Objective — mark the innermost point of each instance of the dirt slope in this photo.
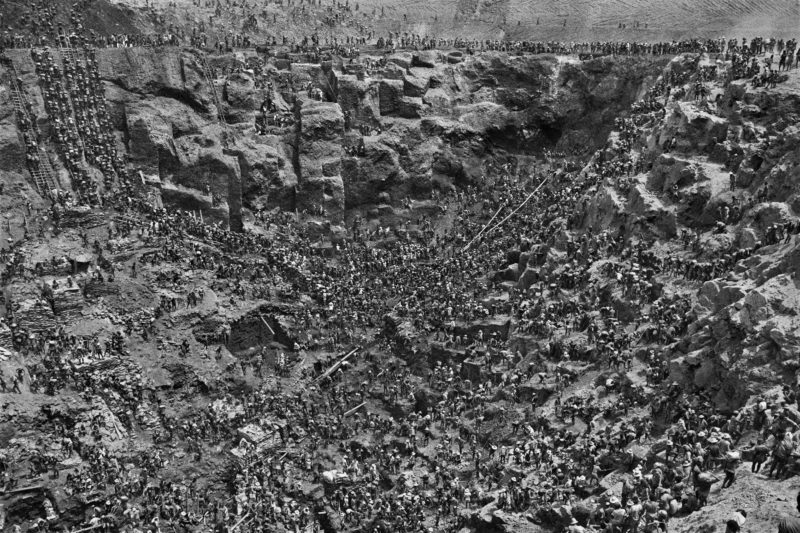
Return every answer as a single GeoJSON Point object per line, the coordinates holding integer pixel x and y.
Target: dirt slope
{"type": "Point", "coordinates": [580, 20]}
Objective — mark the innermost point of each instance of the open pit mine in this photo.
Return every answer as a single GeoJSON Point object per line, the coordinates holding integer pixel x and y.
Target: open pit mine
{"type": "Point", "coordinates": [468, 267]}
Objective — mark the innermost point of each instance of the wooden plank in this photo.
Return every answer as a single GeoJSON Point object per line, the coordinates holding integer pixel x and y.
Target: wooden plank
{"type": "Point", "coordinates": [266, 324]}
{"type": "Point", "coordinates": [354, 409]}
{"type": "Point", "coordinates": [23, 489]}
{"type": "Point", "coordinates": [336, 365]}
{"type": "Point", "coordinates": [237, 524]}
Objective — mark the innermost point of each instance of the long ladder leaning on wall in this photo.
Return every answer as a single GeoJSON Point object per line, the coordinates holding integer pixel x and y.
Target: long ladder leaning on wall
{"type": "Point", "coordinates": [42, 173]}
{"type": "Point", "coordinates": [225, 129]}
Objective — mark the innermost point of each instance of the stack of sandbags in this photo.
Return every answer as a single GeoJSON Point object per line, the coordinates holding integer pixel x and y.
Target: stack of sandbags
{"type": "Point", "coordinates": [68, 302]}
{"type": "Point", "coordinates": [96, 288]}
{"type": "Point", "coordinates": [35, 315]}
{"type": "Point", "coordinates": [81, 217]}
{"type": "Point", "coordinates": [6, 337]}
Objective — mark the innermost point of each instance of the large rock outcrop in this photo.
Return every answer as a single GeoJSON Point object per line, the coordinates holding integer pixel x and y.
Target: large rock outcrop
{"type": "Point", "coordinates": [320, 127]}
{"type": "Point", "coordinates": [693, 129]}
{"type": "Point", "coordinates": [377, 169]}
{"type": "Point", "coordinates": [268, 177]}
{"type": "Point", "coordinates": [172, 72]}
{"type": "Point", "coordinates": [152, 126]}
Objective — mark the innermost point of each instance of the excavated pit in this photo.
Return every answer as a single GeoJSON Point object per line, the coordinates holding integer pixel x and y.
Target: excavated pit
{"type": "Point", "coordinates": [405, 153]}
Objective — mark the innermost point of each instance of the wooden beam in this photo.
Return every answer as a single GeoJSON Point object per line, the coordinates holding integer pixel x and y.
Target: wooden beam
{"type": "Point", "coordinates": [237, 524]}
{"type": "Point", "coordinates": [266, 324]}
{"type": "Point", "coordinates": [354, 409]}
{"type": "Point", "coordinates": [88, 528]}
{"type": "Point", "coordinates": [336, 365]}
{"type": "Point", "coordinates": [23, 489]}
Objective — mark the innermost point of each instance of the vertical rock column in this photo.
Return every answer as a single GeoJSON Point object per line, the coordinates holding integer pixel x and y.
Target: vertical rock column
{"type": "Point", "coordinates": [320, 127]}
{"type": "Point", "coordinates": [235, 197]}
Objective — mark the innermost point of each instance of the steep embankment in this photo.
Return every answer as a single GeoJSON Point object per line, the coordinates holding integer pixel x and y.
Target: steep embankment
{"type": "Point", "coordinates": [417, 121]}
{"type": "Point", "coordinates": [701, 194]}
{"type": "Point", "coordinates": [742, 340]}
{"type": "Point", "coordinates": [578, 20]}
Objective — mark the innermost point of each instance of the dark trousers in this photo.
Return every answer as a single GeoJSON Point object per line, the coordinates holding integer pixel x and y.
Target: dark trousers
{"type": "Point", "coordinates": [730, 477]}
{"type": "Point", "coordinates": [778, 465]}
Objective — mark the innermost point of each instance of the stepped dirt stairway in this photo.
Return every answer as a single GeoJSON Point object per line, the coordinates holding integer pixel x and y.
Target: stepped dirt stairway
{"type": "Point", "coordinates": [42, 173]}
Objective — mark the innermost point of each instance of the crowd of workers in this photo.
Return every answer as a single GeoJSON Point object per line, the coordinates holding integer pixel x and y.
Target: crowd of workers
{"type": "Point", "coordinates": [419, 303]}
{"type": "Point", "coordinates": [41, 26]}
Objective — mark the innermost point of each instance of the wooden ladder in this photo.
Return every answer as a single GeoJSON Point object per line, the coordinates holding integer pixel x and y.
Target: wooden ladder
{"type": "Point", "coordinates": [43, 173]}
{"type": "Point", "coordinates": [70, 53]}
{"type": "Point", "coordinates": [46, 170]}
{"type": "Point", "coordinates": [217, 102]}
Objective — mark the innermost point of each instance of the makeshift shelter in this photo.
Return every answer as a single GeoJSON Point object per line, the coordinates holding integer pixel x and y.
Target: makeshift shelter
{"type": "Point", "coordinates": [81, 263]}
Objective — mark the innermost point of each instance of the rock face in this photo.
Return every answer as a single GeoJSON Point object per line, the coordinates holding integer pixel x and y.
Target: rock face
{"type": "Point", "coordinates": [376, 170]}
{"type": "Point", "coordinates": [240, 89]}
{"type": "Point", "coordinates": [360, 99]}
{"type": "Point", "coordinates": [425, 59]}
{"type": "Point", "coordinates": [389, 93]}
{"type": "Point", "coordinates": [604, 209]}
{"type": "Point", "coordinates": [320, 126]}
{"type": "Point", "coordinates": [650, 210]}
{"type": "Point", "coordinates": [152, 126]}
{"type": "Point", "coordinates": [435, 120]}
{"type": "Point", "coordinates": [170, 73]}
{"type": "Point", "coordinates": [322, 193]}
{"type": "Point", "coordinates": [669, 172]}
{"type": "Point", "coordinates": [696, 130]}
{"type": "Point", "coordinates": [446, 116]}
{"type": "Point", "coordinates": [240, 94]}
{"type": "Point", "coordinates": [582, 97]}
{"type": "Point", "coordinates": [268, 178]}
{"type": "Point", "coordinates": [394, 102]}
